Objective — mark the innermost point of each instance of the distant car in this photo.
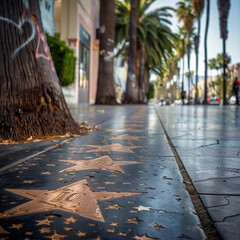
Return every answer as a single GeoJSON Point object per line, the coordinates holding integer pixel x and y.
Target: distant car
{"type": "Point", "coordinates": [214, 100]}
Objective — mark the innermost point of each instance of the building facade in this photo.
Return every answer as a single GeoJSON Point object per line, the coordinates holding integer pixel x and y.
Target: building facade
{"type": "Point", "coordinates": [76, 22]}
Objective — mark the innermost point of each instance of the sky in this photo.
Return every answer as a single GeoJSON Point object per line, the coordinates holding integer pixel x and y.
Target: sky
{"type": "Point", "coordinates": [214, 41]}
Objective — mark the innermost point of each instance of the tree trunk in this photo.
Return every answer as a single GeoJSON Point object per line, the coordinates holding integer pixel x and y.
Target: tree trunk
{"type": "Point", "coordinates": [182, 93]}
{"type": "Point", "coordinates": [189, 56]}
{"type": "Point", "coordinates": [141, 83]}
{"type": "Point", "coordinates": [105, 88]}
{"type": "Point", "coordinates": [197, 50]}
{"type": "Point", "coordinates": [131, 95]}
{"type": "Point", "coordinates": [206, 57]}
{"type": "Point", "coordinates": [31, 99]}
{"type": "Point", "coordinates": [223, 8]}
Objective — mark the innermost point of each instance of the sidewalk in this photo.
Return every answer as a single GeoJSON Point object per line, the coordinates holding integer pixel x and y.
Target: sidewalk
{"type": "Point", "coordinates": [207, 140]}
{"type": "Point", "coordinates": [122, 181]}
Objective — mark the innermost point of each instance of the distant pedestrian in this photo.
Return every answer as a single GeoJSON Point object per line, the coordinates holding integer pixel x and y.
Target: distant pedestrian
{"type": "Point", "coordinates": [236, 86]}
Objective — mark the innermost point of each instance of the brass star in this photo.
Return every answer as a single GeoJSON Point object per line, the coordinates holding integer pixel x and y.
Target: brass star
{"type": "Point", "coordinates": [57, 236]}
{"type": "Point", "coordinates": [124, 130]}
{"type": "Point", "coordinates": [115, 206]}
{"type": "Point", "coordinates": [80, 234]}
{"type": "Point", "coordinates": [122, 234]}
{"type": "Point", "coordinates": [103, 163]}
{"type": "Point", "coordinates": [17, 226]}
{"type": "Point", "coordinates": [45, 230]}
{"type": "Point", "coordinates": [28, 181]}
{"type": "Point", "coordinates": [70, 220]}
{"type": "Point", "coordinates": [68, 228]}
{"type": "Point", "coordinates": [112, 147]}
{"type": "Point", "coordinates": [126, 137]}
{"type": "Point", "coordinates": [76, 198]}
{"type": "Point", "coordinates": [46, 173]}
{"type": "Point", "coordinates": [41, 222]}
{"type": "Point", "coordinates": [143, 237]}
{"type": "Point", "coordinates": [113, 224]}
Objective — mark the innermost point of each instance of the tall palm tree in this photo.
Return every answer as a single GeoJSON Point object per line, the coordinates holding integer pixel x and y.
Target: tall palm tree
{"type": "Point", "coordinates": [105, 86]}
{"type": "Point", "coordinates": [198, 6]}
{"type": "Point", "coordinates": [154, 39]}
{"type": "Point", "coordinates": [186, 15]}
{"type": "Point", "coordinates": [181, 50]}
{"type": "Point", "coordinates": [131, 95]}
{"type": "Point", "coordinates": [205, 53]}
{"type": "Point", "coordinates": [223, 8]}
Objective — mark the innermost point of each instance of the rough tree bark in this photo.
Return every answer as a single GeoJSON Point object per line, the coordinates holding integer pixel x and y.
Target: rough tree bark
{"type": "Point", "coordinates": [142, 93]}
{"type": "Point", "coordinates": [105, 88]}
{"type": "Point", "coordinates": [206, 54]}
{"type": "Point", "coordinates": [31, 99]}
{"type": "Point", "coordinates": [131, 95]}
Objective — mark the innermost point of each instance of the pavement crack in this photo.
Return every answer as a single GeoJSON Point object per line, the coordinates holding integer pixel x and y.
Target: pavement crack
{"type": "Point", "coordinates": [212, 144]}
{"type": "Point", "coordinates": [228, 217]}
{"type": "Point", "coordinates": [203, 180]}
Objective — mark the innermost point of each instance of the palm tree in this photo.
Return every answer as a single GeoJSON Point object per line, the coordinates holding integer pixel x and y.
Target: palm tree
{"type": "Point", "coordinates": [198, 6]}
{"type": "Point", "coordinates": [154, 39]}
{"type": "Point", "coordinates": [205, 53]}
{"type": "Point", "coordinates": [186, 14]}
{"type": "Point", "coordinates": [181, 50]}
{"type": "Point", "coordinates": [223, 8]}
{"type": "Point", "coordinates": [105, 86]}
{"type": "Point", "coordinates": [31, 99]}
{"type": "Point", "coordinates": [131, 95]}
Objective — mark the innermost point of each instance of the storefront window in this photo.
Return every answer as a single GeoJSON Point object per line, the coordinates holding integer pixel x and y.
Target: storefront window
{"type": "Point", "coordinates": [84, 66]}
{"type": "Point", "coordinates": [84, 58]}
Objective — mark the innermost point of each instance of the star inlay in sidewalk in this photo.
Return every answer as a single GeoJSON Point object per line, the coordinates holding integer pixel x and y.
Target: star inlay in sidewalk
{"type": "Point", "coordinates": [103, 163]}
{"type": "Point", "coordinates": [124, 130]}
{"type": "Point", "coordinates": [142, 208]}
{"type": "Point", "coordinates": [75, 198]}
{"type": "Point", "coordinates": [112, 147]}
{"type": "Point", "coordinates": [126, 137]}
{"type": "Point", "coordinates": [44, 222]}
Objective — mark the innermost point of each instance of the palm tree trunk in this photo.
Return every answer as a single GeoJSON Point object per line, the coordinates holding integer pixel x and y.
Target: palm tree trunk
{"type": "Point", "coordinates": [131, 95]}
{"type": "Point", "coordinates": [31, 99]}
{"type": "Point", "coordinates": [105, 87]}
{"type": "Point", "coordinates": [223, 8]}
{"type": "Point", "coordinates": [188, 55]}
{"type": "Point", "coordinates": [182, 94]}
{"type": "Point", "coordinates": [197, 51]}
{"type": "Point", "coordinates": [205, 52]}
{"type": "Point", "coordinates": [141, 85]}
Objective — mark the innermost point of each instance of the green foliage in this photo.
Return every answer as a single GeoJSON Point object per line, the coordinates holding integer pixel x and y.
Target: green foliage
{"type": "Point", "coordinates": [153, 31]}
{"type": "Point", "coordinates": [64, 60]}
{"type": "Point", "coordinates": [150, 93]}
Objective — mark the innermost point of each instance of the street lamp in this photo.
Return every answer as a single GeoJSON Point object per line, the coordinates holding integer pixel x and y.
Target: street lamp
{"type": "Point", "coordinates": [223, 8]}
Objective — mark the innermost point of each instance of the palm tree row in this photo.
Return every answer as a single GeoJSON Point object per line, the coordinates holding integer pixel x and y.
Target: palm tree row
{"type": "Point", "coordinates": [154, 44]}
{"type": "Point", "coordinates": [143, 39]}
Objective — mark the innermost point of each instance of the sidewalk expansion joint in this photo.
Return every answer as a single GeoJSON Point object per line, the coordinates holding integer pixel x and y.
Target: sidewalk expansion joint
{"type": "Point", "coordinates": [32, 156]}
{"type": "Point", "coordinates": [205, 219]}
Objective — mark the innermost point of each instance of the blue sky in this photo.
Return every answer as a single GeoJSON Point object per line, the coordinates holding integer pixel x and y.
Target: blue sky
{"type": "Point", "coordinates": [214, 40]}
